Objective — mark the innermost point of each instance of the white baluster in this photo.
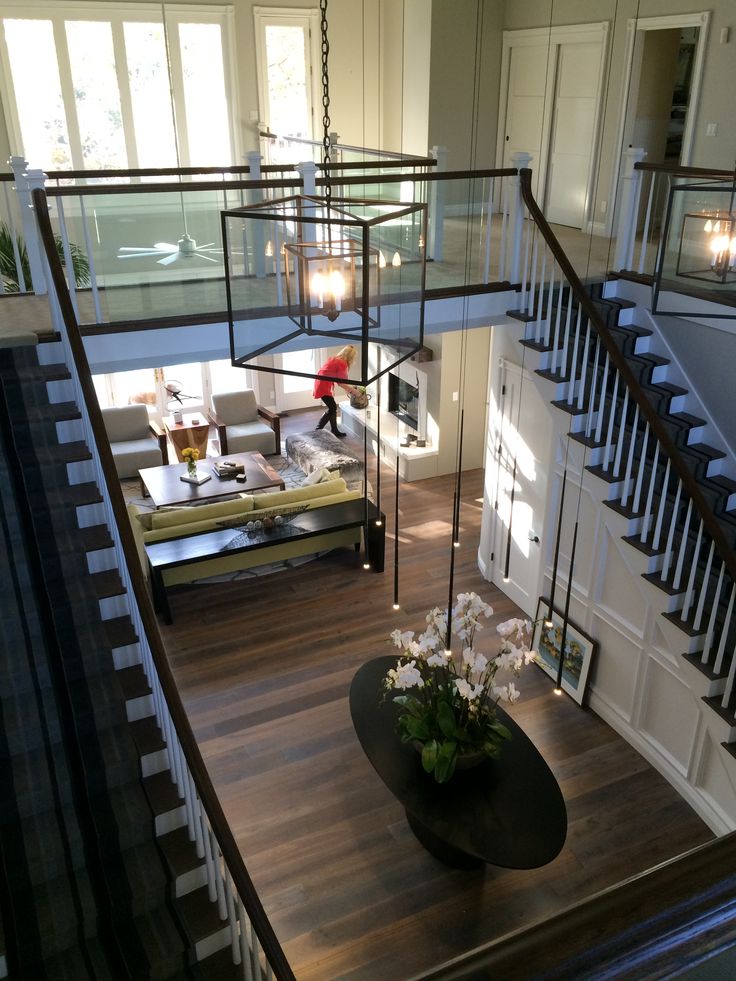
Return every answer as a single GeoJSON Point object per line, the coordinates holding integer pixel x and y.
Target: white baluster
{"type": "Point", "coordinates": [504, 228]}
{"type": "Point", "coordinates": [704, 588]}
{"type": "Point", "coordinates": [718, 663]}
{"type": "Point", "coordinates": [650, 495]}
{"type": "Point", "coordinates": [628, 208]}
{"type": "Point", "coordinates": [729, 681]}
{"type": "Point", "coordinates": [219, 884]}
{"type": "Point", "coordinates": [231, 917]}
{"type": "Point", "coordinates": [489, 228]}
{"type": "Point", "coordinates": [683, 547]}
{"type": "Point", "coordinates": [593, 388]}
{"type": "Point", "coordinates": [611, 421]}
{"type": "Point", "coordinates": [621, 434]}
{"type": "Point", "coordinates": [556, 345]}
{"type": "Point", "coordinates": [564, 366]}
{"type": "Point", "coordinates": [244, 945]}
{"type": "Point", "coordinates": [70, 278]}
{"type": "Point", "coordinates": [630, 458]}
{"type": "Point", "coordinates": [712, 618]}
{"type": "Point", "coordinates": [533, 284]}
{"type": "Point", "coordinates": [529, 227]}
{"type": "Point", "coordinates": [540, 300]}
{"type": "Point", "coordinates": [691, 578]}
{"type": "Point", "coordinates": [602, 399]}
{"type": "Point", "coordinates": [520, 160]}
{"type": "Point", "coordinates": [662, 504]}
{"type": "Point", "coordinates": [671, 534]}
{"type": "Point", "coordinates": [210, 859]}
{"type": "Point", "coordinates": [584, 365]}
{"type": "Point", "coordinates": [640, 471]}
{"type": "Point", "coordinates": [550, 300]}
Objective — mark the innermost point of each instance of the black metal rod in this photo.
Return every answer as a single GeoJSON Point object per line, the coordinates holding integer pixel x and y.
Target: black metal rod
{"type": "Point", "coordinates": [557, 544]}
{"type": "Point", "coordinates": [511, 520]}
{"type": "Point", "coordinates": [458, 484]}
{"type": "Point", "coordinates": [378, 432]}
{"type": "Point", "coordinates": [366, 560]}
{"type": "Point", "coordinates": [452, 584]}
{"type": "Point", "coordinates": [396, 532]}
{"type": "Point", "coordinates": [563, 639]}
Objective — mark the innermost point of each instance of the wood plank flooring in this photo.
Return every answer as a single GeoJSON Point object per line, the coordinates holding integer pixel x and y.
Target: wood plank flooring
{"type": "Point", "coordinates": [264, 668]}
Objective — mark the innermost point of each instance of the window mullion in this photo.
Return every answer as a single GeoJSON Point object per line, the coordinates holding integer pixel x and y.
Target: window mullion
{"type": "Point", "coordinates": [67, 93]}
{"type": "Point", "coordinates": [126, 103]}
{"type": "Point", "coordinates": [176, 79]}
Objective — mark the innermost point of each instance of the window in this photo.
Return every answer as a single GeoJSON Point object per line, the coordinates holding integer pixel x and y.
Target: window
{"type": "Point", "coordinates": [286, 75]}
{"type": "Point", "coordinates": [101, 92]}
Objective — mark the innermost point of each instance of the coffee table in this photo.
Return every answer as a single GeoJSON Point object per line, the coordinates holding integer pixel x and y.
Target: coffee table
{"type": "Point", "coordinates": [165, 487]}
{"type": "Point", "coordinates": [507, 812]}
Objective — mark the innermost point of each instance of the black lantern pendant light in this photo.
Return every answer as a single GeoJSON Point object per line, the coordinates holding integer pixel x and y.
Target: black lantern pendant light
{"type": "Point", "coordinates": [331, 284]}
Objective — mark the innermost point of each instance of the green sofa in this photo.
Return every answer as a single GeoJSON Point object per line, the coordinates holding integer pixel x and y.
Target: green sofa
{"type": "Point", "coordinates": [157, 526]}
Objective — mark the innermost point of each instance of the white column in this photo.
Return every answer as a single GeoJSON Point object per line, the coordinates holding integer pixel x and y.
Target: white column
{"type": "Point", "coordinates": [521, 159]}
{"type": "Point", "coordinates": [308, 172]}
{"type": "Point", "coordinates": [629, 207]}
{"type": "Point", "coordinates": [254, 196]}
{"type": "Point", "coordinates": [25, 181]}
{"type": "Point", "coordinates": [436, 201]}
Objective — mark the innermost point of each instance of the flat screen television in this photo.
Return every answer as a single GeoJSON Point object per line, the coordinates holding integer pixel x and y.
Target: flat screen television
{"type": "Point", "coordinates": [403, 400]}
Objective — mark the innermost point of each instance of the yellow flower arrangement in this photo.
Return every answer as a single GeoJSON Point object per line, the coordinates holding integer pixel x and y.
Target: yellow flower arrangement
{"type": "Point", "coordinates": [190, 456]}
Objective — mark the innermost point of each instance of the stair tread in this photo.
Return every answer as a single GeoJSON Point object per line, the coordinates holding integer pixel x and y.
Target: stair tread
{"type": "Point", "coordinates": [573, 409]}
{"type": "Point", "coordinates": [107, 583]}
{"type": "Point", "coordinates": [72, 452]}
{"type": "Point", "coordinates": [625, 510]}
{"type": "Point", "coordinates": [687, 418]}
{"type": "Point", "coordinates": [668, 387]}
{"type": "Point", "coordinates": [95, 537]}
{"type": "Point", "coordinates": [705, 669]}
{"type": "Point", "coordinates": [655, 578]}
{"type": "Point", "coordinates": [711, 452]}
{"type": "Point", "coordinates": [636, 542]}
{"type": "Point", "coordinates": [714, 701]}
{"type": "Point", "coordinates": [62, 411]}
{"type": "Point", "coordinates": [162, 794]}
{"type": "Point", "coordinates": [120, 632]}
{"type": "Point", "coordinates": [724, 481]}
{"type": "Point", "coordinates": [79, 495]}
{"type": "Point", "coordinates": [147, 735]}
{"type": "Point", "coordinates": [675, 617]}
{"type": "Point", "coordinates": [654, 359]}
{"type": "Point", "coordinates": [179, 852]}
{"type": "Point", "coordinates": [199, 916]}
{"type": "Point", "coordinates": [219, 967]}
{"type": "Point", "coordinates": [603, 474]}
{"type": "Point", "coordinates": [133, 682]}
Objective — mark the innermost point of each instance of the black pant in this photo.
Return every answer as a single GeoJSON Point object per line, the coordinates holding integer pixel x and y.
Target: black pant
{"type": "Point", "coordinates": [329, 416]}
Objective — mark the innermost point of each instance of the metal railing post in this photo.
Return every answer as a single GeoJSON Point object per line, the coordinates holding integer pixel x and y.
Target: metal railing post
{"type": "Point", "coordinates": [25, 182]}
{"type": "Point", "coordinates": [629, 208]}
{"type": "Point", "coordinates": [520, 159]}
{"type": "Point", "coordinates": [436, 201]}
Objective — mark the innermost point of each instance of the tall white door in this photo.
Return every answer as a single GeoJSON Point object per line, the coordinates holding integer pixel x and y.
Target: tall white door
{"type": "Point", "coordinates": [525, 107]}
{"type": "Point", "coordinates": [520, 444]}
{"type": "Point", "coordinates": [573, 131]}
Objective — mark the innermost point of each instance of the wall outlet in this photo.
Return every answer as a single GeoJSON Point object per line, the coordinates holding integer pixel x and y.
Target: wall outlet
{"type": "Point", "coordinates": [253, 115]}
{"type": "Point", "coordinates": [711, 129]}
{"type": "Point", "coordinates": [272, 395]}
{"type": "Point", "coordinates": [455, 396]}
{"type": "Point", "coordinates": [604, 207]}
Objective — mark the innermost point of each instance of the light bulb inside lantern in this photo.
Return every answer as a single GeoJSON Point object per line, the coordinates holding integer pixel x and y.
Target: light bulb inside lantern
{"type": "Point", "coordinates": [396, 260]}
{"type": "Point", "coordinates": [381, 260]}
{"type": "Point", "coordinates": [717, 227]}
{"type": "Point", "coordinates": [269, 248]}
{"type": "Point", "coordinates": [379, 523]}
{"type": "Point", "coordinates": [708, 226]}
{"type": "Point", "coordinates": [548, 624]}
{"type": "Point", "coordinates": [719, 243]}
{"type": "Point", "coordinates": [421, 242]}
{"type": "Point", "coordinates": [337, 286]}
{"type": "Point", "coordinates": [366, 565]}
{"type": "Point", "coordinates": [557, 691]}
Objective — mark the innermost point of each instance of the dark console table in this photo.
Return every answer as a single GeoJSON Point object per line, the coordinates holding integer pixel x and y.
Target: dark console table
{"type": "Point", "coordinates": [507, 812]}
{"type": "Point", "coordinates": [191, 549]}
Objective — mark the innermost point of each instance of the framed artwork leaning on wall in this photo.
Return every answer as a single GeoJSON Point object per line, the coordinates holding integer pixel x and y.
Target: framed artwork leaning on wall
{"type": "Point", "coordinates": [579, 650]}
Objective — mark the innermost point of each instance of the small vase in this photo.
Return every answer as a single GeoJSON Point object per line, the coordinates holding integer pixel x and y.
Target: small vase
{"type": "Point", "coordinates": [463, 761]}
{"type": "Point", "coordinates": [191, 469]}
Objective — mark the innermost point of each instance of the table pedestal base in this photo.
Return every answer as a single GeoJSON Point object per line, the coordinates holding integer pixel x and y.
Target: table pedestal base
{"type": "Point", "coordinates": [446, 854]}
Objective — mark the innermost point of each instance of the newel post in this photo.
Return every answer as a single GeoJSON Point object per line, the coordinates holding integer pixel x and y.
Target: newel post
{"type": "Point", "coordinates": [520, 160]}
{"type": "Point", "coordinates": [25, 182]}
{"type": "Point", "coordinates": [629, 209]}
{"type": "Point", "coordinates": [436, 201]}
{"type": "Point", "coordinates": [255, 195]}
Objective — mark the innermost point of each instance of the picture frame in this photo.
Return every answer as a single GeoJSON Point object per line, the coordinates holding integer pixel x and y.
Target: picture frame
{"type": "Point", "coordinates": [580, 649]}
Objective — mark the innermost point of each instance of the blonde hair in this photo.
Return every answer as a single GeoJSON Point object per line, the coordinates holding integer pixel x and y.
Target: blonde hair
{"type": "Point", "coordinates": [347, 354]}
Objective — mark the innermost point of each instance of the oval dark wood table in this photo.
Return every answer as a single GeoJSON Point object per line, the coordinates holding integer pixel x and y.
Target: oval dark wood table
{"type": "Point", "coordinates": [507, 812]}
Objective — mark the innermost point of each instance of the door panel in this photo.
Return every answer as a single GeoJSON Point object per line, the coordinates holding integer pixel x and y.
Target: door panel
{"type": "Point", "coordinates": [525, 105]}
{"type": "Point", "coordinates": [573, 130]}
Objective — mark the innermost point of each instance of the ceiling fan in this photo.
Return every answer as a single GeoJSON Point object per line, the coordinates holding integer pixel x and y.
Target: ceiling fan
{"type": "Point", "coordinates": [185, 248]}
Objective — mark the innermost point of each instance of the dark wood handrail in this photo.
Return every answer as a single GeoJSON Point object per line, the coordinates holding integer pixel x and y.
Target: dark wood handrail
{"type": "Point", "coordinates": [84, 190]}
{"type": "Point", "coordinates": [60, 175]}
{"type": "Point", "coordinates": [675, 170]}
{"type": "Point", "coordinates": [647, 926]}
{"type": "Point", "coordinates": [647, 409]}
{"type": "Point", "coordinates": [231, 854]}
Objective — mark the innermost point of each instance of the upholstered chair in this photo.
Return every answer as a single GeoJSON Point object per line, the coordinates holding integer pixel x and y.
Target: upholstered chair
{"type": "Point", "coordinates": [243, 426]}
{"type": "Point", "coordinates": [135, 440]}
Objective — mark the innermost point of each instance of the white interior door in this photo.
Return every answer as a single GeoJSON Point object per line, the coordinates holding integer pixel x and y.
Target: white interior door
{"type": "Point", "coordinates": [291, 391]}
{"type": "Point", "coordinates": [525, 107]}
{"type": "Point", "coordinates": [522, 442]}
{"type": "Point", "coordinates": [573, 132]}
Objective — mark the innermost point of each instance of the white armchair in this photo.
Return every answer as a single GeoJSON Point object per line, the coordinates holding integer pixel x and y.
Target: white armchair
{"type": "Point", "coordinates": [136, 441]}
{"type": "Point", "coordinates": [243, 426]}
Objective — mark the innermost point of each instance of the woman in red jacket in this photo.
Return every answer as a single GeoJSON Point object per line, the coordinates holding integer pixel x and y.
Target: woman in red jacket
{"type": "Point", "coordinates": [336, 367]}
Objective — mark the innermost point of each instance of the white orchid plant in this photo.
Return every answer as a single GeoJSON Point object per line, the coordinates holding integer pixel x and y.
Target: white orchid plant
{"type": "Point", "coordinates": [448, 701]}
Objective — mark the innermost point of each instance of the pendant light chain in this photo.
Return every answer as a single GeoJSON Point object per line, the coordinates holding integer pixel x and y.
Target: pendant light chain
{"type": "Point", "coordinates": [326, 146]}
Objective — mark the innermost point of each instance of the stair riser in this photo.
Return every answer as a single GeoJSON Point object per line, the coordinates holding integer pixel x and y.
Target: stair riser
{"type": "Point", "coordinates": [50, 352]}
{"type": "Point", "coordinates": [139, 708]}
{"type": "Point", "coordinates": [170, 820]}
{"type": "Point", "coordinates": [152, 763]}
{"type": "Point", "coordinates": [60, 391]}
{"type": "Point", "coordinates": [89, 515]}
{"type": "Point", "coordinates": [70, 431]}
{"type": "Point", "coordinates": [213, 943]}
{"type": "Point", "coordinates": [660, 600]}
{"type": "Point", "coordinates": [126, 657]}
{"type": "Point", "coordinates": [81, 472]}
{"type": "Point", "coordinates": [114, 606]}
{"type": "Point", "coordinates": [101, 559]}
{"type": "Point", "coordinates": [190, 881]}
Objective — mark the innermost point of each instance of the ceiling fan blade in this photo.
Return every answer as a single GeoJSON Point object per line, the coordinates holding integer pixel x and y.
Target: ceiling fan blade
{"type": "Point", "coordinates": [165, 247]}
{"type": "Point", "coordinates": [199, 254]}
{"type": "Point", "coordinates": [138, 255]}
{"type": "Point", "coordinates": [207, 245]}
{"type": "Point", "coordinates": [167, 260]}
{"type": "Point", "coordinates": [136, 248]}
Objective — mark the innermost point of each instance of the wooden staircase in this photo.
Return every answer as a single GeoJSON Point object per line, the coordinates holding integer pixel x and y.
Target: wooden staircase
{"type": "Point", "coordinates": [190, 915]}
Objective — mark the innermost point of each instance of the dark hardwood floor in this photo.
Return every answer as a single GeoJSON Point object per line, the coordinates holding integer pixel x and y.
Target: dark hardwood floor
{"type": "Point", "coordinates": [264, 668]}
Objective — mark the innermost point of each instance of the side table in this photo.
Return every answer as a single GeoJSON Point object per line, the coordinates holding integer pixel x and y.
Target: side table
{"type": "Point", "coordinates": [192, 431]}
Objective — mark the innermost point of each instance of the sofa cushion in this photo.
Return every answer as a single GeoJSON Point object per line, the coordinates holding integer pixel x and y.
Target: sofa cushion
{"type": "Point", "coordinates": [133, 455]}
{"type": "Point", "coordinates": [251, 437]}
{"type": "Point", "coordinates": [298, 494]}
{"type": "Point", "coordinates": [234, 408]}
{"type": "Point", "coordinates": [205, 512]}
{"type": "Point", "coordinates": [126, 422]}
